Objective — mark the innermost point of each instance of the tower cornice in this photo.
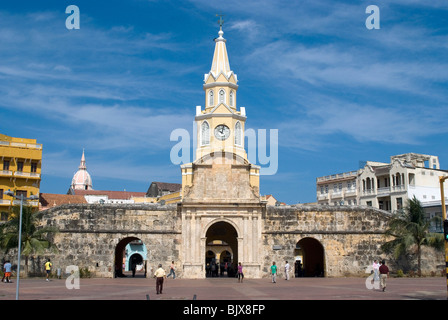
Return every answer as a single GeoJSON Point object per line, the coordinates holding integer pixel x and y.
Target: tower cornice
{"type": "Point", "coordinates": [220, 84]}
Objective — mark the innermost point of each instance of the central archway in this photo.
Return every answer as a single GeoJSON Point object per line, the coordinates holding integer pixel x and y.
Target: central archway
{"type": "Point", "coordinates": [221, 257]}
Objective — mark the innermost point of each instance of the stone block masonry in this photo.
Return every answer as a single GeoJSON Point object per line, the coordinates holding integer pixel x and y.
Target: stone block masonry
{"type": "Point", "coordinates": [330, 241]}
{"type": "Point", "coordinates": [90, 235]}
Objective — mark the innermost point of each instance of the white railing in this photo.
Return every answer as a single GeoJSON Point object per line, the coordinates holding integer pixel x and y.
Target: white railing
{"type": "Point", "coordinates": [350, 192]}
{"type": "Point", "coordinates": [399, 188]}
{"type": "Point", "coordinates": [33, 203]}
{"type": "Point", "coordinates": [337, 194]}
{"type": "Point", "coordinates": [384, 190]}
{"type": "Point", "coordinates": [323, 196]}
{"type": "Point", "coordinates": [338, 176]}
{"type": "Point", "coordinates": [26, 174]}
{"type": "Point", "coordinates": [5, 173]}
{"type": "Point", "coordinates": [21, 145]}
{"type": "Point", "coordinates": [368, 192]}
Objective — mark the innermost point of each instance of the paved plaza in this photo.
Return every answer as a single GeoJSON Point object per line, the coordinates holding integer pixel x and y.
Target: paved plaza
{"type": "Point", "coordinates": [227, 289]}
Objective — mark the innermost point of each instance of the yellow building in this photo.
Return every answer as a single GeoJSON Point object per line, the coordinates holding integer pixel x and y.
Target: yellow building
{"type": "Point", "coordinates": [20, 171]}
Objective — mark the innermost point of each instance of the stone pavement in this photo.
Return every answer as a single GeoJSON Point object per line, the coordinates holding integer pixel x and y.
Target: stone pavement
{"type": "Point", "coordinates": [227, 289]}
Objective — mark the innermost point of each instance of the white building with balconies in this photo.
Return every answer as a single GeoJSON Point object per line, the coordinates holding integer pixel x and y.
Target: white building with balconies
{"type": "Point", "coordinates": [387, 186]}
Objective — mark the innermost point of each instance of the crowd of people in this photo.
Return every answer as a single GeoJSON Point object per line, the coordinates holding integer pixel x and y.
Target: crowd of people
{"type": "Point", "coordinates": [224, 268]}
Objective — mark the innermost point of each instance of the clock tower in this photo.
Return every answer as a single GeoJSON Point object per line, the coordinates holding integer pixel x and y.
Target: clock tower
{"type": "Point", "coordinates": [220, 133]}
{"type": "Point", "coordinates": [220, 205]}
{"type": "Point", "coordinates": [220, 124]}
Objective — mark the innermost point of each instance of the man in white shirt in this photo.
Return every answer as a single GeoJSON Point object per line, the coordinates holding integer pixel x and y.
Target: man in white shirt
{"type": "Point", "coordinates": [287, 270]}
{"type": "Point", "coordinates": [159, 275]}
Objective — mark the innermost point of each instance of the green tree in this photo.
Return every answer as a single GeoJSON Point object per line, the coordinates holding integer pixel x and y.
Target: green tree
{"type": "Point", "coordinates": [35, 239]}
{"type": "Point", "coordinates": [410, 231]}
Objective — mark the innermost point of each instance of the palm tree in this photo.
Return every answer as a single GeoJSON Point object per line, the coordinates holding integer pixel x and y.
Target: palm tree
{"type": "Point", "coordinates": [34, 239]}
{"type": "Point", "coordinates": [410, 230]}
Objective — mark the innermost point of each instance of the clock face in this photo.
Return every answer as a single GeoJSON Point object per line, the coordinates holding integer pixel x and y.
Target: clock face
{"type": "Point", "coordinates": [222, 132]}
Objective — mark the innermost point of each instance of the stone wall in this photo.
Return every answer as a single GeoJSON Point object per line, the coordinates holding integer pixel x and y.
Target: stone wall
{"type": "Point", "coordinates": [89, 234]}
{"type": "Point", "coordinates": [350, 236]}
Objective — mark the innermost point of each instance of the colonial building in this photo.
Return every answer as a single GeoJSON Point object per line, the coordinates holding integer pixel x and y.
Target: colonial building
{"type": "Point", "coordinates": [387, 186]}
{"type": "Point", "coordinates": [20, 171]}
{"type": "Point", "coordinates": [220, 216]}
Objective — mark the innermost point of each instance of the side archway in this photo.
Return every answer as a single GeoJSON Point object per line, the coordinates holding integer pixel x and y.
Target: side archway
{"type": "Point", "coordinates": [130, 257]}
{"type": "Point", "coordinates": [310, 253]}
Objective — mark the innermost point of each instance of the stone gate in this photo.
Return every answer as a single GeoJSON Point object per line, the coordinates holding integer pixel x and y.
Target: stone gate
{"type": "Point", "coordinates": [343, 240]}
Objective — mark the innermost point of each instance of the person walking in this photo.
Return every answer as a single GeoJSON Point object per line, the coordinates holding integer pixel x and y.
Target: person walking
{"type": "Point", "coordinates": [3, 278]}
{"type": "Point", "coordinates": [48, 266]}
{"type": "Point", "coordinates": [287, 270]}
{"type": "Point", "coordinates": [384, 273]}
{"type": "Point", "coordinates": [159, 275]}
{"type": "Point", "coordinates": [172, 271]}
{"type": "Point", "coordinates": [274, 272]}
{"type": "Point", "coordinates": [7, 270]}
{"type": "Point", "coordinates": [240, 272]}
{"type": "Point", "coordinates": [376, 271]}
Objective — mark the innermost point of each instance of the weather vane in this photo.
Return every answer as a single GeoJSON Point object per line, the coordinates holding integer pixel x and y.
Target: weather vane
{"type": "Point", "coordinates": [221, 20]}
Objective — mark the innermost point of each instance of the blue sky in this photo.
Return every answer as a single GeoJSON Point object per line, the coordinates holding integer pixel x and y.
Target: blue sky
{"type": "Point", "coordinates": [337, 92]}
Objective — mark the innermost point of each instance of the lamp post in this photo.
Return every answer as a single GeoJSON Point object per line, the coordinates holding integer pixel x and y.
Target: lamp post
{"type": "Point", "coordinates": [445, 227]}
{"type": "Point", "coordinates": [21, 198]}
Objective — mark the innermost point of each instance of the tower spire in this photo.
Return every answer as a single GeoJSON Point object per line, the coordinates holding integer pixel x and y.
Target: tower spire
{"type": "Point", "coordinates": [220, 61]}
{"type": "Point", "coordinates": [82, 165]}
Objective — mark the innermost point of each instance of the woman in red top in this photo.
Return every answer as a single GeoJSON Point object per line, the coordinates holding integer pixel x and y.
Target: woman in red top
{"type": "Point", "coordinates": [240, 272]}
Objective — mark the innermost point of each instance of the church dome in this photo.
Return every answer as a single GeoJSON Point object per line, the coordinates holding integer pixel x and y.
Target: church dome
{"type": "Point", "coordinates": [81, 179]}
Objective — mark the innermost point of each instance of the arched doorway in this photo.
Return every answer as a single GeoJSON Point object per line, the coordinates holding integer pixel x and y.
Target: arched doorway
{"type": "Point", "coordinates": [135, 263]}
{"type": "Point", "coordinates": [221, 250]}
{"type": "Point", "coordinates": [130, 258]}
{"type": "Point", "coordinates": [309, 252]}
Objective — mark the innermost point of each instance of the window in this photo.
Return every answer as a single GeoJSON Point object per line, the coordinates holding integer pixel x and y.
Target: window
{"type": "Point", "coordinates": [222, 95]}
{"type": "Point", "coordinates": [21, 192]}
{"type": "Point", "coordinates": [6, 165]}
{"type": "Point", "coordinates": [1, 193]}
{"type": "Point", "coordinates": [238, 134]}
{"type": "Point", "coordinates": [412, 179]}
{"type": "Point", "coordinates": [231, 98]}
{"type": "Point", "coordinates": [205, 133]}
{"type": "Point", "coordinates": [210, 98]}
{"type": "Point", "coordinates": [34, 167]}
{"type": "Point", "coordinates": [19, 165]}
{"type": "Point", "coordinates": [369, 203]}
{"type": "Point", "coordinates": [399, 203]}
